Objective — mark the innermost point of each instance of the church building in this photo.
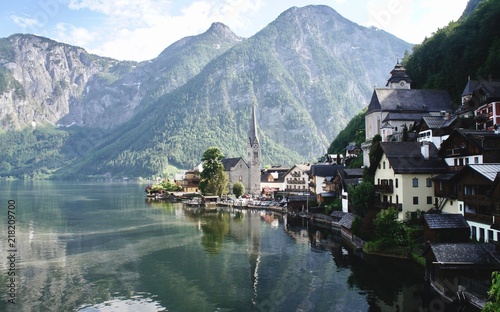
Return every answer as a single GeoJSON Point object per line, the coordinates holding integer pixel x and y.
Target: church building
{"type": "Point", "coordinates": [246, 172]}
{"type": "Point", "coordinates": [398, 106]}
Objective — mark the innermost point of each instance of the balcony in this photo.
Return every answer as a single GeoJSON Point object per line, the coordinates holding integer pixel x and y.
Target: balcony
{"type": "Point", "coordinates": [481, 200]}
{"type": "Point", "coordinates": [383, 188]}
{"type": "Point", "coordinates": [386, 205]}
{"type": "Point", "coordinates": [484, 219]}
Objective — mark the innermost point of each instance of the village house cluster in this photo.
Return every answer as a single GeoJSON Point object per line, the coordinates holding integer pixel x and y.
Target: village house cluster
{"type": "Point", "coordinates": [431, 159]}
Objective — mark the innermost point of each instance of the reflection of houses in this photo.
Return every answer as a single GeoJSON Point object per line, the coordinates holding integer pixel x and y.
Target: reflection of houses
{"type": "Point", "coordinates": [397, 106]}
{"type": "Point", "coordinates": [461, 269]}
{"type": "Point", "coordinates": [445, 228]}
{"type": "Point", "coordinates": [297, 179]}
{"type": "Point", "coordinates": [403, 173]}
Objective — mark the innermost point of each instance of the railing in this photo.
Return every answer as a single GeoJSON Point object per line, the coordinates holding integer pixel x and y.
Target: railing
{"type": "Point", "coordinates": [477, 199]}
{"type": "Point", "coordinates": [384, 188]}
{"type": "Point", "coordinates": [485, 219]}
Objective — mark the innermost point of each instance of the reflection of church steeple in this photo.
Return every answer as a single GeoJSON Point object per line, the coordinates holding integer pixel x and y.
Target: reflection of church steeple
{"type": "Point", "coordinates": [254, 235]}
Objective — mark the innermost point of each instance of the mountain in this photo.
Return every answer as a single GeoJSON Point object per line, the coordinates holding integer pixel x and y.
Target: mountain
{"type": "Point", "coordinates": [308, 73]}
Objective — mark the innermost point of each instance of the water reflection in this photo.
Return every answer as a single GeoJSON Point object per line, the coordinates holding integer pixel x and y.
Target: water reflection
{"type": "Point", "coordinates": [105, 248]}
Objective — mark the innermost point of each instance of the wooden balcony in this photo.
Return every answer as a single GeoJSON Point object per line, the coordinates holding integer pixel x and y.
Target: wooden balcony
{"type": "Point", "coordinates": [484, 219]}
{"type": "Point", "coordinates": [481, 200]}
{"type": "Point", "coordinates": [384, 188]}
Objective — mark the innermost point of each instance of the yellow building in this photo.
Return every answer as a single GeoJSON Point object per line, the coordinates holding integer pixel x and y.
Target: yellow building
{"type": "Point", "coordinates": [403, 173]}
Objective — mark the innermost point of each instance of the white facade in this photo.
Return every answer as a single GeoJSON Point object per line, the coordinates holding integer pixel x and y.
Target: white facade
{"type": "Point", "coordinates": [297, 179]}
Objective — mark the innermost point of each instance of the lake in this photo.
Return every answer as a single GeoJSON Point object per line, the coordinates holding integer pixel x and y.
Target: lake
{"type": "Point", "coordinates": [104, 247]}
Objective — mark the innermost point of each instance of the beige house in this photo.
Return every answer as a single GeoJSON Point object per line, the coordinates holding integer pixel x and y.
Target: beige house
{"type": "Point", "coordinates": [297, 179]}
{"type": "Point", "coordinates": [403, 174]}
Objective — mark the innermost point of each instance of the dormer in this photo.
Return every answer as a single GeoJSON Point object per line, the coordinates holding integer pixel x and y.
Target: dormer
{"type": "Point", "coordinates": [399, 78]}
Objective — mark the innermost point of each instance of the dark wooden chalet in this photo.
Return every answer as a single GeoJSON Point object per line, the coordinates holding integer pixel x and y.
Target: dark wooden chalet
{"type": "Point", "coordinates": [470, 147]}
{"type": "Point", "coordinates": [445, 228]}
{"type": "Point", "coordinates": [461, 269]}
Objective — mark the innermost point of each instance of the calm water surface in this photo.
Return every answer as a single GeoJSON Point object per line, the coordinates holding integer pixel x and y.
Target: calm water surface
{"type": "Point", "coordinates": [104, 247]}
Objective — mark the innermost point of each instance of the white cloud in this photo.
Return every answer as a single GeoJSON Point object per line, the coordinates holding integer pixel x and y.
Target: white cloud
{"type": "Point", "coordinates": [140, 30]}
{"type": "Point", "coordinates": [76, 35]}
{"type": "Point", "coordinates": [25, 22]}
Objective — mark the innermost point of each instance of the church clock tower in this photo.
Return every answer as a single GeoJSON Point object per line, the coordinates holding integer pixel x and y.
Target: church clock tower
{"type": "Point", "coordinates": [253, 156]}
{"type": "Point", "coordinates": [399, 78]}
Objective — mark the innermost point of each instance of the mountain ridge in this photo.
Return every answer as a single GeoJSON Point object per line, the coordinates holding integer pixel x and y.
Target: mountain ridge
{"type": "Point", "coordinates": [309, 71]}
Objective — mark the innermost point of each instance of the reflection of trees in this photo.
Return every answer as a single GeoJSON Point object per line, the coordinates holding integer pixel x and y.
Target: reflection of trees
{"type": "Point", "coordinates": [371, 274]}
{"type": "Point", "coordinates": [215, 227]}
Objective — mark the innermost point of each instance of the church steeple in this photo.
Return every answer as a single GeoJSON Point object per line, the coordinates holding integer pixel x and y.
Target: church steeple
{"type": "Point", "coordinates": [252, 134]}
{"type": "Point", "coordinates": [399, 78]}
{"type": "Point", "coordinates": [254, 155]}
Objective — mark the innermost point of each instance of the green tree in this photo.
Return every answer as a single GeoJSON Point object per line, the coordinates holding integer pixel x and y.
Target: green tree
{"type": "Point", "coordinates": [213, 178]}
{"type": "Point", "coordinates": [494, 293]}
{"type": "Point", "coordinates": [238, 189]}
{"type": "Point", "coordinates": [361, 196]}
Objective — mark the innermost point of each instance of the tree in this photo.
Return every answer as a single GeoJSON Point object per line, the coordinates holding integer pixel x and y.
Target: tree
{"type": "Point", "coordinates": [238, 189]}
{"type": "Point", "coordinates": [361, 196]}
{"type": "Point", "coordinates": [213, 178]}
{"type": "Point", "coordinates": [494, 293]}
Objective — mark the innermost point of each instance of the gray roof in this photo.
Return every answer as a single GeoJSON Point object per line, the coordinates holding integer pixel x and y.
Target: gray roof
{"type": "Point", "coordinates": [446, 221]}
{"type": "Point", "coordinates": [465, 253]}
{"type": "Point", "coordinates": [438, 122]}
{"type": "Point", "coordinates": [409, 116]}
{"type": "Point", "coordinates": [229, 163]}
{"type": "Point", "coordinates": [347, 220]}
{"type": "Point", "coordinates": [489, 171]}
{"type": "Point", "coordinates": [338, 214]}
{"type": "Point", "coordinates": [324, 170]}
{"type": "Point", "coordinates": [406, 157]}
{"type": "Point", "coordinates": [417, 100]}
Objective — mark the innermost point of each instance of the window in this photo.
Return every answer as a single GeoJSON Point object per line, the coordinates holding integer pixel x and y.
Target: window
{"type": "Point", "coordinates": [428, 182]}
{"type": "Point", "coordinates": [383, 165]}
{"type": "Point", "coordinates": [415, 182]}
{"type": "Point", "coordinates": [415, 200]}
{"type": "Point", "coordinates": [429, 200]}
{"type": "Point", "coordinates": [397, 199]}
{"type": "Point", "coordinates": [476, 160]}
{"type": "Point", "coordinates": [455, 162]}
{"type": "Point", "coordinates": [461, 208]}
{"type": "Point", "coordinates": [397, 183]}
{"type": "Point", "coordinates": [467, 161]}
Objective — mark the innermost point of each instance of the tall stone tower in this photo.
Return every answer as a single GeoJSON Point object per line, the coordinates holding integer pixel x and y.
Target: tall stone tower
{"type": "Point", "coordinates": [253, 156]}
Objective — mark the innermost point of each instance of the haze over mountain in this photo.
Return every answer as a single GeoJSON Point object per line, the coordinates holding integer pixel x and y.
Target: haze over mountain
{"type": "Point", "coordinates": [308, 73]}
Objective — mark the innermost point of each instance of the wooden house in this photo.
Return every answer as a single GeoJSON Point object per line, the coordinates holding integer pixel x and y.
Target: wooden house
{"type": "Point", "coordinates": [445, 228]}
{"type": "Point", "coordinates": [461, 271]}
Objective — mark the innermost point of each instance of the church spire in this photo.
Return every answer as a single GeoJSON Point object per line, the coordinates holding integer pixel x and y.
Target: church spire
{"type": "Point", "coordinates": [252, 135]}
{"type": "Point", "coordinates": [399, 78]}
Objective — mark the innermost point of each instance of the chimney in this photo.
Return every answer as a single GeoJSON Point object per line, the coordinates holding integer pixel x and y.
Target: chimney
{"type": "Point", "coordinates": [424, 149]}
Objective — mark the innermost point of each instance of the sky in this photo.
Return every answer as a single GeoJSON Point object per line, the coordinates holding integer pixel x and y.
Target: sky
{"type": "Point", "coordinates": [139, 30]}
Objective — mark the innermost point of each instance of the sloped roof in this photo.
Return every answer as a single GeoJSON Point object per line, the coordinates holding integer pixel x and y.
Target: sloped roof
{"type": "Point", "coordinates": [489, 171]}
{"type": "Point", "coordinates": [347, 220]}
{"type": "Point", "coordinates": [409, 116]}
{"type": "Point", "coordinates": [418, 100]}
{"type": "Point", "coordinates": [465, 253]}
{"type": "Point", "coordinates": [438, 122]}
{"type": "Point", "coordinates": [446, 221]}
{"type": "Point", "coordinates": [229, 163]}
{"type": "Point", "coordinates": [475, 137]}
{"type": "Point", "coordinates": [324, 170]}
{"type": "Point", "coordinates": [406, 157]}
